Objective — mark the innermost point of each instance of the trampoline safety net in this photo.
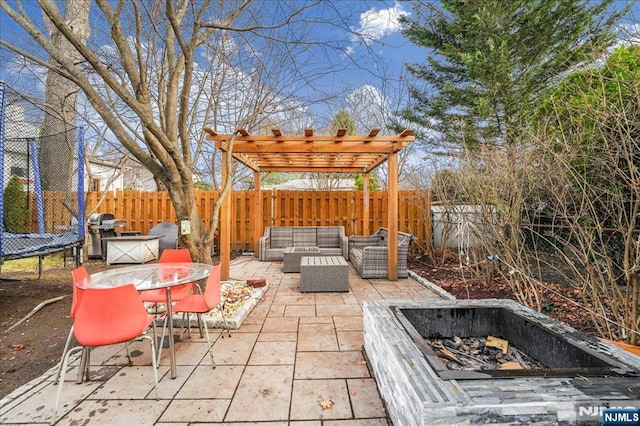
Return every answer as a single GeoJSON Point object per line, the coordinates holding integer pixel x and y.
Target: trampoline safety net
{"type": "Point", "coordinates": [42, 197]}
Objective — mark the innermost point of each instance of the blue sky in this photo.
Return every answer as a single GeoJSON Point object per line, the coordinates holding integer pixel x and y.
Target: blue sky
{"type": "Point", "coordinates": [376, 20]}
{"type": "Point", "coordinates": [382, 51]}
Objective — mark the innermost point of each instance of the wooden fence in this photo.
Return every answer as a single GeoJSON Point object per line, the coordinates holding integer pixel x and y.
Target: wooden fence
{"type": "Point", "coordinates": [142, 210]}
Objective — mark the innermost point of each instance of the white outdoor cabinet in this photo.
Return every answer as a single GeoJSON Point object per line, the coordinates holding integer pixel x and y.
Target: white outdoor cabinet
{"type": "Point", "coordinates": [132, 248]}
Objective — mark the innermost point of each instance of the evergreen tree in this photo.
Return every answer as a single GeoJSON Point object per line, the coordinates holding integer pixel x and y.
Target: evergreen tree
{"type": "Point", "coordinates": [343, 120]}
{"type": "Point", "coordinates": [15, 207]}
{"type": "Point", "coordinates": [328, 181]}
{"type": "Point", "coordinates": [490, 61]}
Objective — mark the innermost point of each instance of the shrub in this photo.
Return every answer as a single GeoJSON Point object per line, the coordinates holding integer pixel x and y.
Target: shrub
{"type": "Point", "coordinates": [15, 206]}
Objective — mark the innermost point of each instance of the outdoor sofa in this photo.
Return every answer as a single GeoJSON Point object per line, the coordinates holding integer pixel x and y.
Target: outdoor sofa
{"type": "Point", "coordinates": [331, 240]}
{"type": "Point", "coordinates": [369, 254]}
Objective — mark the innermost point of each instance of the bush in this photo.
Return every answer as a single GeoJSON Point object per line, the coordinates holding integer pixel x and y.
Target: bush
{"type": "Point", "coordinates": [15, 207]}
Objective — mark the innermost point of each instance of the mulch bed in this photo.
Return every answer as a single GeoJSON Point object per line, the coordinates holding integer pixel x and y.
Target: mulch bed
{"type": "Point", "coordinates": [463, 284]}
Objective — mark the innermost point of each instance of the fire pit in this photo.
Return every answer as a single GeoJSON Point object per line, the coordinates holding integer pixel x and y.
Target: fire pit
{"type": "Point", "coordinates": [561, 352]}
{"type": "Point", "coordinates": [419, 389]}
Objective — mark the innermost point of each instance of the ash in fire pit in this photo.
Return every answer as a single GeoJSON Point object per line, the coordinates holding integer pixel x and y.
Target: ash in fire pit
{"type": "Point", "coordinates": [561, 352]}
{"type": "Point", "coordinates": [479, 353]}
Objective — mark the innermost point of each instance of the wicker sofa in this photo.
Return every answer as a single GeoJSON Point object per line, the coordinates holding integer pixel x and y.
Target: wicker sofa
{"type": "Point", "coordinates": [368, 254]}
{"type": "Point", "coordinates": [331, 240]}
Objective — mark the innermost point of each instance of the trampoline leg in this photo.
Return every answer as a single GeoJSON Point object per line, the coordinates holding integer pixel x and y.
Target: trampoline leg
{"type": "Point", "coordinates": [39, 267]}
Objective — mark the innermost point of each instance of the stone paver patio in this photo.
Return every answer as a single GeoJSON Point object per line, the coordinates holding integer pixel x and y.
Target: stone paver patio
{"type": "Point", "coordinates": [292, 353]}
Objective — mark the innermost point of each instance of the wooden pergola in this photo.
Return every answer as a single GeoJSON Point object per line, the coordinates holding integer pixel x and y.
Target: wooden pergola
{"type": "Point", "coordinates": [339, 153]}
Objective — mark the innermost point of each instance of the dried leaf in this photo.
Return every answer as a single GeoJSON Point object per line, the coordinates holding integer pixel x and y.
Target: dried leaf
{"type": "Point", "coordinates": [17, 346]}
{"type": "Point", "coordinates": [326, 404]}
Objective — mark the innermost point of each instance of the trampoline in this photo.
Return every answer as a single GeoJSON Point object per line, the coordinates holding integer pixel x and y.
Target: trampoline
{"type": "Point", "coordinates": [49, 218]}
{"type": "Point", "coordinates": [18, 246]}
{"type": "Point", "coordinates": [26, 245]}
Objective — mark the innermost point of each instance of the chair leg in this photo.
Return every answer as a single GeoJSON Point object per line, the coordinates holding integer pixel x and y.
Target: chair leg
{"type": "Point", "coordinates": [63, 372]}
{"type": "Point", "coordinates": [64, 351]}
{"type": "Point", "coordinates": [188, 324]}
{"type": "Point", "coordinates": [153, 362]}
{"type": "Point", "coordinates": [85, 363]}
{"type": "Point", "coordinates": [209, 346]}
{"type": "Point", "coordinates": [183, 327]}
{"type": "Point", "coordinates": [126, 345]}
{"type": "Point", "coordinates": [164, 329]}
{"type": "Point", "coordinates": [224, 320]}
{"type": "Point", "coordinates": [199, 316]}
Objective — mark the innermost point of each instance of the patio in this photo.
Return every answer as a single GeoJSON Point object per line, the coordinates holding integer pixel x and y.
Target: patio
{"type": "Point", "coordinates": [296, 360]}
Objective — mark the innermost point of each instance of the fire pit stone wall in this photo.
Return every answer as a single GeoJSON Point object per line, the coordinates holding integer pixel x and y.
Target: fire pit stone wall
{"type": "Point", "coordinates": [416, 395]}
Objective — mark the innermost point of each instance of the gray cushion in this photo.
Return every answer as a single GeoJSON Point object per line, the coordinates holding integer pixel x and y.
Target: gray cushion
{"type": "Point", "coordinates": [281, 237]}
{"type": "Point", "coordinates": [328, 237]}
{"type": "Point", "coordinates": [304, 237]}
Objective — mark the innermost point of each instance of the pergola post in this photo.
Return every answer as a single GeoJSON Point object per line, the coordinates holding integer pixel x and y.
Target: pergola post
{"type": "Point", "coordinates": [365, 205]}
{"type": "Point", "coordinates": [257, 216]}
{"type": "Point", "coordinates": [392, 191]}
{"type": "Point", "coordinates": [225, 225]}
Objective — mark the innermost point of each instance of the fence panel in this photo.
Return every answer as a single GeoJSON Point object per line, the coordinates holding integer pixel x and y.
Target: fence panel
{"type": "Point", "coordinates": [142, 210]}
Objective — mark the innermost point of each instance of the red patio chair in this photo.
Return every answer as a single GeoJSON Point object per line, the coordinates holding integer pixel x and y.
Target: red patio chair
{"type": "Point", "coordinates": [178, 292]}
{"type": "Point", "coordinates": [201, 304]}
{"type": "Point", "coordinates": [109, 316]}
{"type": "Point", "coordinates": [78, 278]}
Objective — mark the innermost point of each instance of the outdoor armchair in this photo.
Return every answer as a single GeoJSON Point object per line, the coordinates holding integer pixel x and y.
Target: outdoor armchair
{"type": "Point", "coordinates": [369, 254]}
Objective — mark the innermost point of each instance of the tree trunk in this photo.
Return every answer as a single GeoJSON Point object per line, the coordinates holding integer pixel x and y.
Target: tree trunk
{"type": "Point", "coordinates": [58, 136]}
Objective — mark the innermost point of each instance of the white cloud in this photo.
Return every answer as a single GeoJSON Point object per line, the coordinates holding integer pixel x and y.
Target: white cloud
{"type": "Point", "coordinates": [376, 24]}
{"type": "Point", "coordinates": [349, 50]}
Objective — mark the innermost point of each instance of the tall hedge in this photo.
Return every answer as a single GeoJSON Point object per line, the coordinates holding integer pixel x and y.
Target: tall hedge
{"type": "Point", "coordinates": [15, 206]}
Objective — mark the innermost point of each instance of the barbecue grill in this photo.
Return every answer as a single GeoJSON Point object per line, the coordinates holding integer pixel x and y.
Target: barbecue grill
{"type": "Point", "coordinates": [100, 226]}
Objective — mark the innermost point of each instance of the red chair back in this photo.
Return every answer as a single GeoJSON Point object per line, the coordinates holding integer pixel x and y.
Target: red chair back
{"type": "Point", "coordinates": [110, 315]}
{"type": "Point", "coordinates": [79, 276]}
{"type": "Point", "coordinates": [212, 293]}
{"type": "Point", "coordinates": [175, 255]}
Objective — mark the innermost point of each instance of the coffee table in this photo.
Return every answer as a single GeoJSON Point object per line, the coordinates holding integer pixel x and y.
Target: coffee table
{"type": "Point", "coordinates": [293, 255]}
{"type": "Point", "coordinates": [324, 273]}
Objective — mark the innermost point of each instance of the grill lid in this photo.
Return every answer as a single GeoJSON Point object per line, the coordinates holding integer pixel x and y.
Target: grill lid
{"type": "Point", "coordinates": [112, 224]}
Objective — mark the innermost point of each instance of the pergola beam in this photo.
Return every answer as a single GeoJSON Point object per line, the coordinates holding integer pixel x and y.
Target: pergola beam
{"type": "Point", "coordinates": [315, 138]}
{"type": "Point", "coordinates": [315, 169]}
{"type": "Point", "coordinates": [319, 147]}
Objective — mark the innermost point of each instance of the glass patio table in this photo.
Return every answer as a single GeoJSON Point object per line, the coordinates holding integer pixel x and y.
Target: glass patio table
{"type": "Point", "coordinates": [154, 276]}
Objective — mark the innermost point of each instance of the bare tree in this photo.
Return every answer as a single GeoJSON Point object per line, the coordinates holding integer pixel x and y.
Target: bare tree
{"type": "Point", "coordinates": [378, 107]}
{"type": "Point", "coordinates": [577, 191]}
{"type": "Point", "coordinates": [156, 73]}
